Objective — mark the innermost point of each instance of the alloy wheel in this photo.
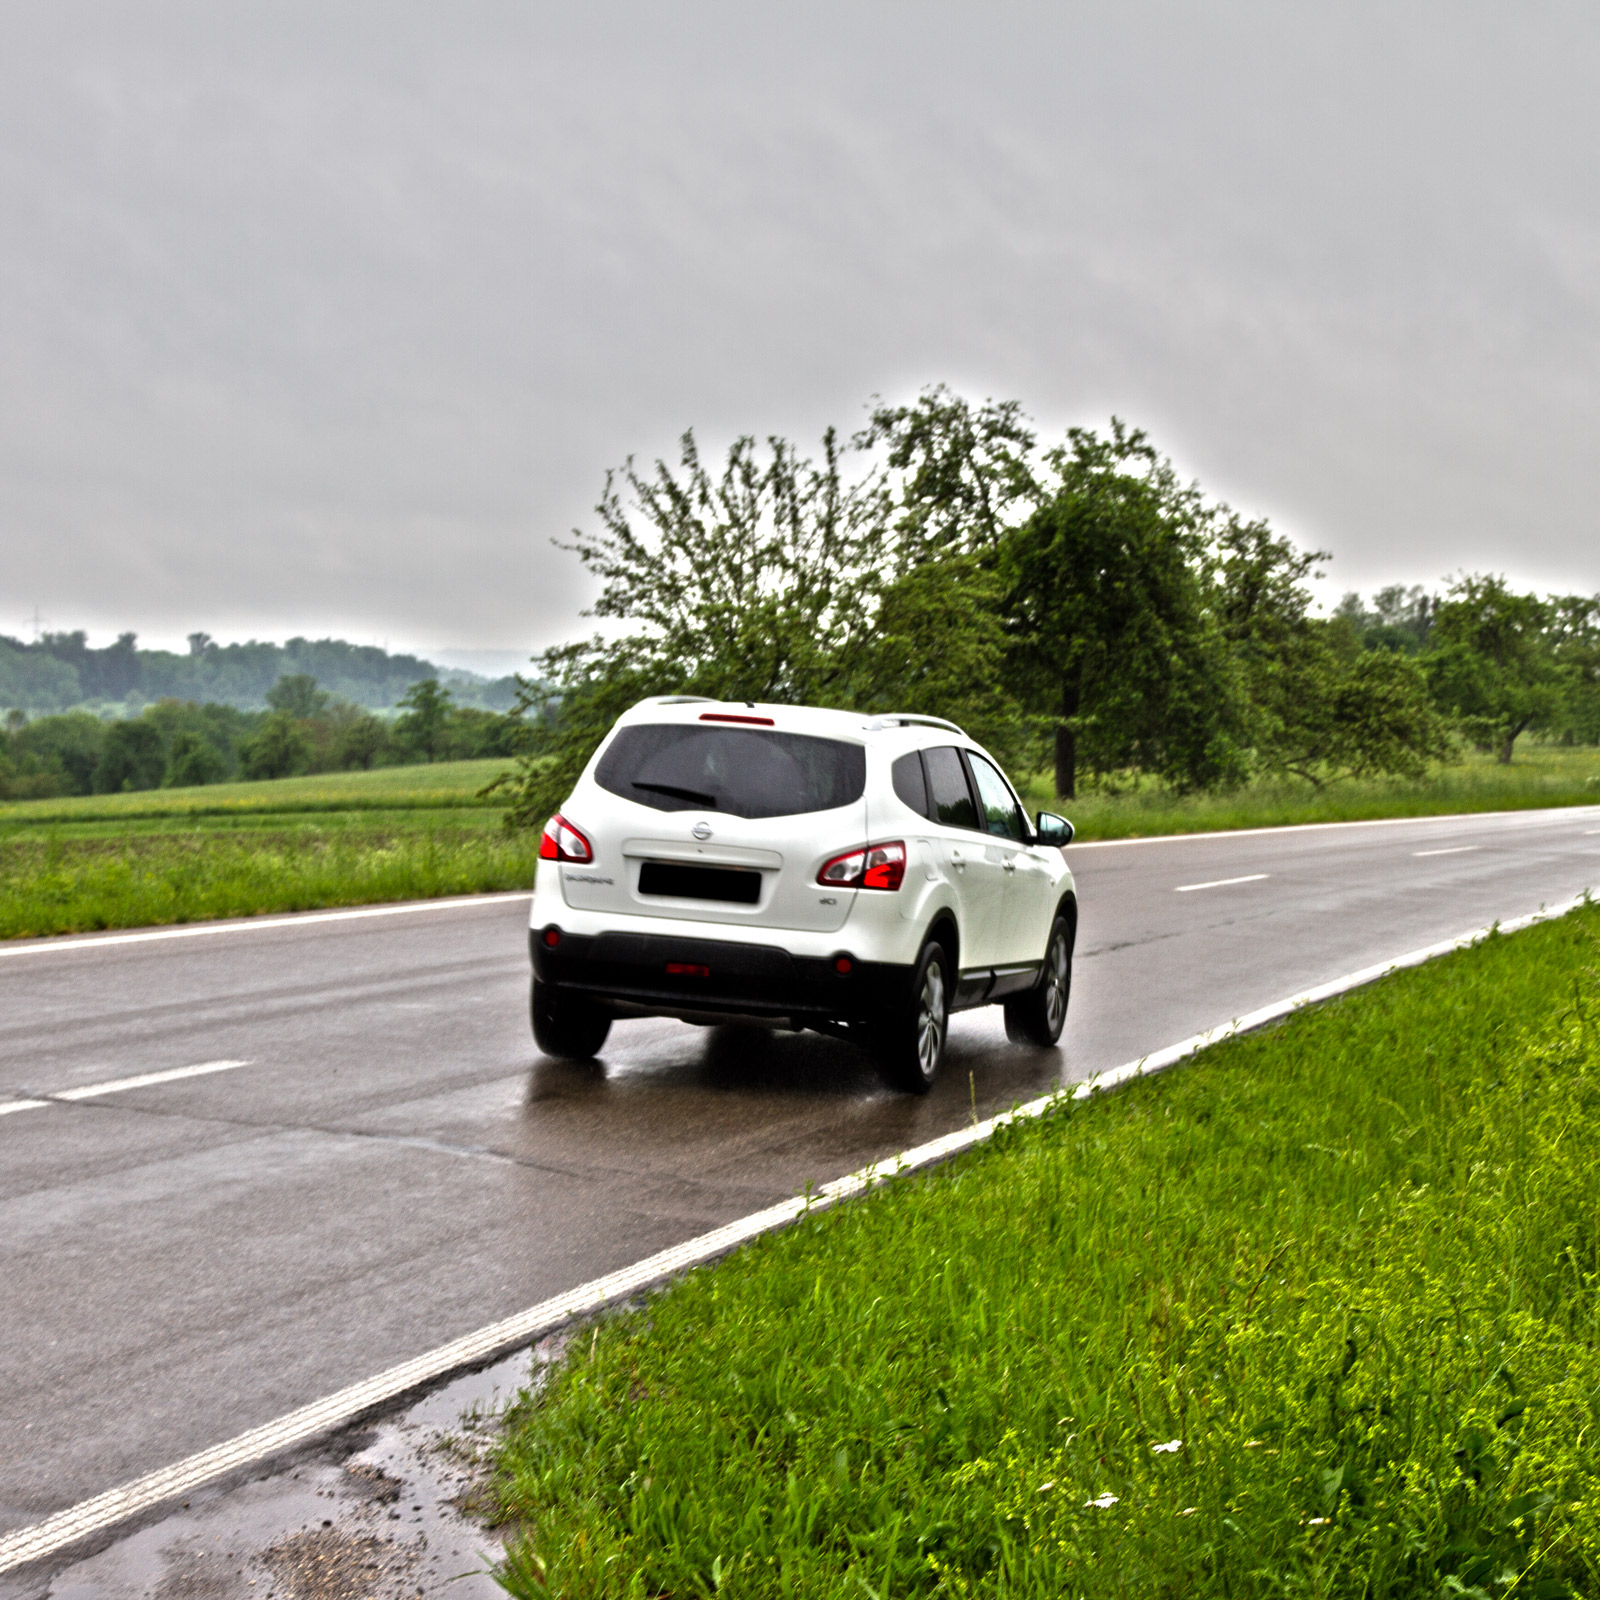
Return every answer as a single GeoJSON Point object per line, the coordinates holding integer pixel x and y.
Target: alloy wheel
{"type": "Point", "coordinates": [1055, 995]}
{"type": "Point", "coordinates": [930, 1020]}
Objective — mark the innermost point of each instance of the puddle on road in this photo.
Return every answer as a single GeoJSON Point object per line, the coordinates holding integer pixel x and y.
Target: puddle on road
{"type": "Point", "coordinates": [387, 1520]}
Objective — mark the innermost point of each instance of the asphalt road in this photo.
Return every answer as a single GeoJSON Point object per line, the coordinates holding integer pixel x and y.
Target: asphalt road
{"type": "Point", "coordinates": [394, 1165]}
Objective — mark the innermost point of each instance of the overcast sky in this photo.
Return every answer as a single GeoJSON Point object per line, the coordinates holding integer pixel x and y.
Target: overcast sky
{"type": "Point", "coordinates": [323, 318]}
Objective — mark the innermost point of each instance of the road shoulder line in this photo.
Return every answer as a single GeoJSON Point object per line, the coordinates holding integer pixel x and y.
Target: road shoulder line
{"type": "Point", "coordinates": [299, 919]}
{"type": "Point", "coordinates": [102, 1512]}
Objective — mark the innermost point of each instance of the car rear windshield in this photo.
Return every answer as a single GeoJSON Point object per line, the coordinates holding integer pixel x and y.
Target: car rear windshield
{"type": "Point", "coordinates": [678, 767]}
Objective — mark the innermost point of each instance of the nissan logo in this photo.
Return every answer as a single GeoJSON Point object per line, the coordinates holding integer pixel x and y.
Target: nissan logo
{"type": "Point", "coordinates": [702, 830]}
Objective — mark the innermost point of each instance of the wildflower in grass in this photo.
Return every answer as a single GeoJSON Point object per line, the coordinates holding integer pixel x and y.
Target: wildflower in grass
{"type": "Point", "coordinates": [1102, 1502]}
{"type": "Point", "coordinates": [1169, 1448]}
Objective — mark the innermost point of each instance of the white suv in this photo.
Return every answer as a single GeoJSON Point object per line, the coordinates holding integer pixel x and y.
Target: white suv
{"type": "Point", "coordinates": [863, 876]}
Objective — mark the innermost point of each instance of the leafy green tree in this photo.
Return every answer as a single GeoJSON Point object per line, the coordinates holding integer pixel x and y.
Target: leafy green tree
{"type": "Point", "coordinates": [193, 760]}
{"type": "Point", "coordinates": [1493, 663]}
{"type": "Point", "coordinates": [425, 725]}
{"type": "Point", "coordinates": [133, 757]}
{"type": "Point", "coordinates": [297, 694]}
{"type": "Point", "coordinates": [278, 749]}
{"type": "Point", "coordinates": [963, 474]}
{"type": "Point", "coordinates": [1113, 633]}
{"type": "Point", "coordinates": [69, 745]}
{"type": "Point", "coordinates": [761, 583]}
{"type": "Point", "coordinates": [1575, 644]}
{"type": "Point", "coordinates": [361, 740]}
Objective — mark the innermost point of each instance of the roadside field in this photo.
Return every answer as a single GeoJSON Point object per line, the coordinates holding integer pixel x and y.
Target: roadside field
{"type": "Point", "coordinates": [293, 844]}
{"type": "Point", "coordinates": [232, 850]}
{"type": "Point", "coordinates": [1312, 1316]}
{"type": "Point", "coordinates": [1540, 776]}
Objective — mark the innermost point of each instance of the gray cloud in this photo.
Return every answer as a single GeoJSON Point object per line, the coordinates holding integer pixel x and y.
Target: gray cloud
{"type": "Point", "coordinates": [316, 322]}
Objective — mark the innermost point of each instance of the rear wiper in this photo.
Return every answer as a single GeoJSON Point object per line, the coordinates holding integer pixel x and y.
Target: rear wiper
{"type": "Point", "coordinates": [679, 794]}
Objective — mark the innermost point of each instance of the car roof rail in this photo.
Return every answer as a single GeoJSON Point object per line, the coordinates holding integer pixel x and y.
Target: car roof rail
{"type": "Point", "coordinates": [910, 719]}
{"type": "Point", "coordinates": [678, 700]}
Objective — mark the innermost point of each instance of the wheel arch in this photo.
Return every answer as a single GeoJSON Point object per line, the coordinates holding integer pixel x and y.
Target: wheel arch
{"type": "Point", "coordinates": [944, 928]}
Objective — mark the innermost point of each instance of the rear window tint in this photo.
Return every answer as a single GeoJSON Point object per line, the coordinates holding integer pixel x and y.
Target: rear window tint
{"type": "Point", "coordinates": [909, 783]}
{"type": "Point", "coordinates": [685, 767]}
{"type": "Point", "coordinates": [947, 785]}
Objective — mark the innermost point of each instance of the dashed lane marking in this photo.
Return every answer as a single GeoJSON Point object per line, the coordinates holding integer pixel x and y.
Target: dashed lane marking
{"type": "Point", "coordinates": [1221, 883]}
{"type": "Point", "coordinates": [143, 1080]}
{"type": "Point", "coordinates": [1449, 850]}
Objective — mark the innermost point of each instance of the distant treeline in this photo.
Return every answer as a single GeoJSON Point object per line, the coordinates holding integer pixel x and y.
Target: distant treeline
{"type": "Point", "coordinates": [60, 671]}
{"type": "Point", "coordinates": [181, 743]}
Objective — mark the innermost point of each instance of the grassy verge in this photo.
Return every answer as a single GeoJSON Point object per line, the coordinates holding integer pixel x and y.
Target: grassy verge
{"type": "Point", "coordinates": [448, 785]}
{"type": "Point", "coordinates": [1538, 777]}
{"type": "Point", "coordinates": [184, 855]}
{"type": "Point", "coordinates": [1315, 1316]}
{"type": "Point", "coordinates": [74, 885]}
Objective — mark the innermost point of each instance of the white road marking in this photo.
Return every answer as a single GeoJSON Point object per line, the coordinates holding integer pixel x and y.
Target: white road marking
{"type": "Point", "coordinates": [1451, 850]}
{"type": "Point", "coordinates": [1221, 883]}
{"type": "Point", "coordinates": [1319, 827]}
{"type": "Point", "coordinates": [199, 930]}
{"type": "Point", "coordinates": [88, 1091]}
{"type": "Point", "coordinates": [337, 1410]}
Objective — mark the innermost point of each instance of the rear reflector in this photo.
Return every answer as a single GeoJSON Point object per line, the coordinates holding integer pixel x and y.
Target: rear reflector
{"type": "Point", "coordinates": [688, 969]}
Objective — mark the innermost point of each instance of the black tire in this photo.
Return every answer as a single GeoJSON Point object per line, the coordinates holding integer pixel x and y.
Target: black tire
{"type": "Point", "coordinates": [1038, 1016]}
{"type": "Point", "coordinates": [910, 1040]}
{"type": "Point", "coordinates": [567, 1026]}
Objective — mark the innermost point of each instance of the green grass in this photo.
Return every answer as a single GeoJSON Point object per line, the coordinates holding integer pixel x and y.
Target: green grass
{"type": "Point", "coordinates": [1344, 1272]}
{"type": "Point", "coordinates": [446, 784]}
{"type": "Point", "coordinates": [76, 885]}
{"type": "Point", "coordinates": [233, 850]}
{"type": "Point", "coordinates": [1540, 776]}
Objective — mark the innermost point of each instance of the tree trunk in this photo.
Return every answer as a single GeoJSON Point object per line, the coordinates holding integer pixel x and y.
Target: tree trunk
{"type": "Point", "coordinates": [1503, 756]}
{"type": "Point", "coordinates": [1066, 762]}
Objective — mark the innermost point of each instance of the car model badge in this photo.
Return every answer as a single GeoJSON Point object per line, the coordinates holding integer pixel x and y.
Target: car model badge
{"type": "Point", "coordinates": [701, 830]}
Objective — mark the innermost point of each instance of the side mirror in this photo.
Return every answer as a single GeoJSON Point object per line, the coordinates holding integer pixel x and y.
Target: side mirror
{"type": "Point", "coordinates": [1053, 829]}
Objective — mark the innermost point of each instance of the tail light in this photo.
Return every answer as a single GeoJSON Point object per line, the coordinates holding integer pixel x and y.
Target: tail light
{"type": "Point", "coordinates": [878, 866]}
{"type": "Point", "coordinates": [560, 841]}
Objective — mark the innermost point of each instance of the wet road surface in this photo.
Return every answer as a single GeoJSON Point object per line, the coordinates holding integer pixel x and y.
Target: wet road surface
{"type": "Point", "coordinates": [393, 1165]}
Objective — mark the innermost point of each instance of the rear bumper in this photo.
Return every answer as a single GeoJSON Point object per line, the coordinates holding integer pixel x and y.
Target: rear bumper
{"type": "Point", "coordinates": [629, 972]}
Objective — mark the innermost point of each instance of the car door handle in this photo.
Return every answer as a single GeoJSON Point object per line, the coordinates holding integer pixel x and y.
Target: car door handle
{"type": "Point", "coordinates": [1010, 866]}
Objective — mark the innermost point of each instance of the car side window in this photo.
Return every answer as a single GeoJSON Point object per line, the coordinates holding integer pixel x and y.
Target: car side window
{"type": "Point", "coordinates": [947, 788]}
{"type": "Point", "coordinates": [1001, 814]}
{"type": "Point", "coordinates": [909, 783]}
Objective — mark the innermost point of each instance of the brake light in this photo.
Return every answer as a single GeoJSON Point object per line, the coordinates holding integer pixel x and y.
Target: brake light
{"type": "Point", "coordinates": [878, 866]}
{"type": "Point", "coordinates": [727, 716]}
{"type": "Point", "coordinates": [560, 841]}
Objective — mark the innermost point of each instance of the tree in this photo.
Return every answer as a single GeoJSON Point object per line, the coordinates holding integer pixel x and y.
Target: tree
{"type": "Point", "coordinates": [1107, 602]}
{"type": "Point", "coordinates": [359, 742]}
{"type": "Point", "coordinates": [426, 722]}
{"type": "Point", "coordinates": [762, 583]}
{"type": "Point", "coordinates": [1492, 662]}
{"type": "Point", "coordinates": [193, 760]}
{"type": "Point", "coordinates": [297, 694]}
{"type": "Point", "coordinates": [133, 757]}
{"type": "Point", "coordinates": [278, 749]}
{"type": "Point", "coordinates": [963, 472]}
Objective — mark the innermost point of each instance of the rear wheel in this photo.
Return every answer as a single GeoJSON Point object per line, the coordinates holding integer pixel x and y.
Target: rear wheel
{"type": "Point", "coordinates": [569, 1026]}
{"type": "Point", "coordinates": [1038, 1016]}
{"type": "Point", "coordinates": [910, 1040]}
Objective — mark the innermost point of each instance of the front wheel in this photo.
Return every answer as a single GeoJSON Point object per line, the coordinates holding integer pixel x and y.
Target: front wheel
{"type": "Point", "coordinates": [568, 1026]}
{"type": "Point", "coordinates": [910, 1040]}
{"type": "Point", "coordinates": [1038, 1016]}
